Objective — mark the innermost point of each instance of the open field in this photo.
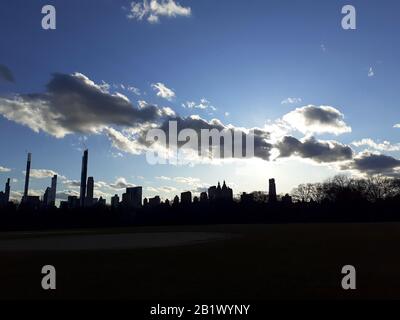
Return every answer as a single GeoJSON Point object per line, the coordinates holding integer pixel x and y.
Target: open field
{"type": "Point", "coordinates": [294, 261]}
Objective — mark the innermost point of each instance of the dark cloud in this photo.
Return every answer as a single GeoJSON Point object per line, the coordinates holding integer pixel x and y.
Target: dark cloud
{"type": "Point", "coordinates": [74, 103]}
{"type": "Point", "coordinates": [262, 148]}
{"type": "Point", "coordinates": [319, 151]}
{"type": "Point", "coordinates": [6, 74]}
{"type": "Point", "coordinates": [317, 119]}
{"type": "Point", "coordinates": [370, 163]}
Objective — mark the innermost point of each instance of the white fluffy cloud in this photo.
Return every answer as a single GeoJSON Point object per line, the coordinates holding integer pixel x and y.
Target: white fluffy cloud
{"type": "Point", "coordinates": [291, 101]}
{"type": "Point", "coordinates": [317, 120]}
{"type": "Point", "coordinates": [152, 10]}
{"type": "Point", "coordinates": [371, 72]}
{"type": "Point", "coordinates": [204, 104]}
{"type": "Point", "coordinates": [4, 169]}
{"type": "Point", "coordinates": [121, 183]}
{"type": "Point", "coordinates": [162, 190]}
{"type": "Point", "coordinates": [163, 91]}
{"type": "Point", "coordinates": [380, 146]}
{"type": "Point", "coordinates": [43, 173]}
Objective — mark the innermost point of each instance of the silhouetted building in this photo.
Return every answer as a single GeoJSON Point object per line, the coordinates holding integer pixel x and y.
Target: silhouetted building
{"type": "Point", "coordinates": [154, 202]}
{"type": "Point", "coordinates": [272, 191]}
{"type": "Point", "coordinates": [203, 197]}
{"type": "Point", "coordinates": [27, 173]}
{"type": "Point", "coordinates": [176, 200]}
{"type": "Point", "coordinates": [115, 202]}
{"type": "Point", "coordinates": [82, 194]}
{"type": "Point", "coordinates": [33, 202]}
{"type": "Point", "coordinates": [73, 202]}
{"type": "Point", "coordinates": [212, 193]}
{"type": "Point", "coordinates": [47, 197]}
{"type": "Point", "coordinates": [287, 199]}
{"type": "Point", "coordinates": [220, 193]}
{"type": "Point", "coordinates": [226, 192]}
{"type": "Point", "coordinates": [89, 192]}
{"type": "Point", "coordinates": [246, 197]}
{"type": "Point", "coordinates": [53, 192]}
{"type": "Point", "coordinates": [63, 205]}
{"type": "Point", "coordinates": [5, 196]}
{"type": "Point", "coordinates": [101, 202]}
{"type": "Point", "coordinates": [7, 191]}
{"type": "Point", "coordinates": [132, 197]}
{"type": "Point", "coordinates": [195, 199]}
{"type": "Point", "coordinates": [186, 197]}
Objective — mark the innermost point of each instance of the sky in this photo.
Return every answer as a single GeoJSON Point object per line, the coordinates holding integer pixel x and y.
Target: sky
{"type": "Point", "coordinates": [324, 99]}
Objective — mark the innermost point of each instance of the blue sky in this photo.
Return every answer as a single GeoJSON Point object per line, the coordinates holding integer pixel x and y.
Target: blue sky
{"type": "Point", "coordinates": [244, 58]}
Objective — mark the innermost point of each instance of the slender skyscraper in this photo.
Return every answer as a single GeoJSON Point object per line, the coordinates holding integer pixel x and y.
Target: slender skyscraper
{"type": "Point", "coordinates": [84, 177]}
{"type": "Point", "coordinates": [53, 190]}
{"type": "Point", "coordinates": [272, 191]}
{"type": "Point", "coordinates": [89, 192]}
{"type": "Point", "coordinates": [7, 190]}
{"type": "Point", "coordinates": [28, 170]}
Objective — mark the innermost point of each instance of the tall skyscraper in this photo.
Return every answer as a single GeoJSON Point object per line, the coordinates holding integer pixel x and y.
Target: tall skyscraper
{"type": "Point", "coordinates": [28, 170]}
{"type": "Point", "coordinates": [83, 177]}
{"type": "Point", "coordinates": [89, 192]}
{"type": "Point", "coordinates": [53, 191]}
{"type": "Point", "coordinates": [47, 196]}
{"type": "Point", "coordinates": [272, 191]}
{"type": "Point", "coordinates": [7, 191]}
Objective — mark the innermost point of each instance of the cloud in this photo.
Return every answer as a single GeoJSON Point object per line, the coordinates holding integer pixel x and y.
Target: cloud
{"type": "Point", "coordinates": [72, 183]}
{"type": "Point", "coordinates": [124, 142]}
{"type": "Point", "coordinates": [382, 146]}
{"type": "Point", "coordinates": [183, 180]}
{"type": "Point", "coordinates": [134, 90]}
{"type": "Point", "coordinates": [396, 125]}
{"type": "Point", "coordinates": [291, 101]}
{"type": "Point", "coordinates": [204, 104]}
{"type": "Point", "coordinates": [162, 189]}
{"type": "Point", "coordinates": [6, 74]}
{"type": "Point", "coordinates": [4, 169]}
{"type": "Point", "coordinates": [63, 195]}
{"type": "Point", "coordinates": [317, 119]}
{"type": "Point", "coordinates": [75, 104]}
{"type": "Point", "coordinates": [128, 88]}
{"type": "Point", "coordinates": [319, 151]}
{"type": "Point", "coordinates": [121, 183]}
{"type": "Point", "coordinates": [43, 173]}
{"type": "Point", "coordinates": [136, 143]}
{"type": "Point", "coordinates": [152, 10]}
{"type": "Point", "coordinates": [261, 147]}
{"type": "Point", "coordinates": [323, 47]}
{"type": "Point", "coordinates": [163, 91]}
{"type": "Point", "coordinates": [371, 72]}
{"type": "Point", "coordinates": [371, 164]}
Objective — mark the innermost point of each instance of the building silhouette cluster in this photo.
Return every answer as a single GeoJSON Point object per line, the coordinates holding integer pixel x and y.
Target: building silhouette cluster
{"type": "Point", "coordinates": [340, 199]}
{"type": "Point", "coordinates": [132, 198]}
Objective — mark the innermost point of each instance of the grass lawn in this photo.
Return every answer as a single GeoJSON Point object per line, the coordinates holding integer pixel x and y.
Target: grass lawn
{"type": "Point", "coordinates": [294, 261]}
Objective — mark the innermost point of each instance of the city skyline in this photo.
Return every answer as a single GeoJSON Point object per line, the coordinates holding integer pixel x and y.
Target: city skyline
{"type": "Point", "coordinates": [132, 194]}
{"type": "Point", "coordinates": [104, 75]}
